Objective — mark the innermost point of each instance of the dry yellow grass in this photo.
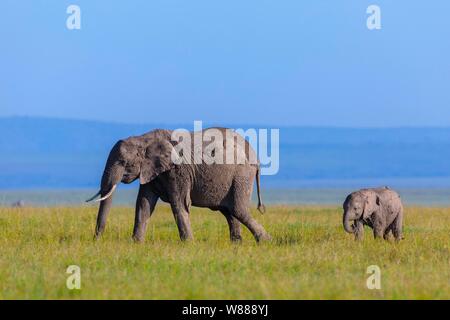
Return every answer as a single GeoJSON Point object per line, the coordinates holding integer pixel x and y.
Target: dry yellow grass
{"type": "Point", "coordinates": [310, 257]}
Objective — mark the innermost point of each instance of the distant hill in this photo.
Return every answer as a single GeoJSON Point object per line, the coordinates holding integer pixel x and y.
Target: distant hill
{"type": "Point", "coordinates": [55, 153]}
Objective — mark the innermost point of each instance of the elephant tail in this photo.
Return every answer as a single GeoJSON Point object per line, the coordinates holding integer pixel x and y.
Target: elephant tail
{"type": "Point", "coordinates": [261, 207]}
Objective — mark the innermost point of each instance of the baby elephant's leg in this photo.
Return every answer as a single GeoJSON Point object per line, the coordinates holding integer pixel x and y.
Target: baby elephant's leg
{"type": "Point", "coordinates": [378, 228]}
{"type": "Point", "coordinates": [397, 227]}
{"type": "Point", "coordinates": [387, 233]}
{"type": "Point", "coordinates": [359, 230]}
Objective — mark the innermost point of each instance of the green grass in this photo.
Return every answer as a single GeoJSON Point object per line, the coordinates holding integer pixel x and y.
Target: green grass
{"type": "Point", "coordinates": [310, 257]}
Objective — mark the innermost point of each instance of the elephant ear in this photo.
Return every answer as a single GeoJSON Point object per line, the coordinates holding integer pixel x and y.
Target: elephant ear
{"type": "Point", "coordinates": [157, 156]}
{"type": "Point", "coordinates": [371, 205]}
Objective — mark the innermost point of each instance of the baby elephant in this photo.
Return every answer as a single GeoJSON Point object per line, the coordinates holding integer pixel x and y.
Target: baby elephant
{"type": "Point", "coordinates": [379, 208]}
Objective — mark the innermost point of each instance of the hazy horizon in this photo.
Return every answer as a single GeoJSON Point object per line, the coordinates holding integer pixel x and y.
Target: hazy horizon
{"type": "Point", "coordinates": [48, 153]}
{"type": "Point", "coordinates": [233, 125]}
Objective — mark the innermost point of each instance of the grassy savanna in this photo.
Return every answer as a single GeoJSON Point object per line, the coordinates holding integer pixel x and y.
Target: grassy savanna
{"type": "Point", "coordinates": [310, 256]}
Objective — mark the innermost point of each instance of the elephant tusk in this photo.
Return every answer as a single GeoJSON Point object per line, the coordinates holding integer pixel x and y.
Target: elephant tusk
{"type": "Point", "coordinates": [108, 194]}
{"type": "Point", "coordinates": [96, 195]}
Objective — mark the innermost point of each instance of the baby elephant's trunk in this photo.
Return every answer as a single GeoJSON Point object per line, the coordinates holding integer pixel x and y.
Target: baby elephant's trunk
{"type": "Point", "coordinates": [347, 226]}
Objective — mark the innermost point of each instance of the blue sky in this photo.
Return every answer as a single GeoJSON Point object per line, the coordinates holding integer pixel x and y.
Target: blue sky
{"type": "Point", "coordinates": [291, 62]}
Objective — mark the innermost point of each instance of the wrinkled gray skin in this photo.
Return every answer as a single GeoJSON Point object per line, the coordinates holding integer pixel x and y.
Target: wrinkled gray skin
{"type": "Point", "coordinates": [223, 187]}
{"type": "Point", "coordinates": [378, 208]}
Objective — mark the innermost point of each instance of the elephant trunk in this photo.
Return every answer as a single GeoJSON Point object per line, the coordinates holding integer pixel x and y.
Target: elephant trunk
{"type": "Point", "coordinates": [103, 211]}
{"type": "Point", "coordinates": [111, 177]}
{"type": "Point", "coordinates": [347, 226]}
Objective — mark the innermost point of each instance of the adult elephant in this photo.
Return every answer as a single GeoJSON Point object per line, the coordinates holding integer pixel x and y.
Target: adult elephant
{"type": "Point", "coordinates": [220, 185]}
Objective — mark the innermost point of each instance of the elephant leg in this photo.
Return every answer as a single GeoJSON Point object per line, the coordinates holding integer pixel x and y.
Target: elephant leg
{"type": "Point", "coordinates": [387, 234]}
{"type": "Point", "coordinates": [398, 227]}
{"type": "Point", "coordinates": [242, 190]}
{"type": "Point", "coordinates": [145, 205]}
{"type": "Point", "coordinates": [242, 214]}
{"type": "Point", "coordinates": [234, 225]}
{"type": "Point", "coordinates": [359, 230]}
{"type": "Point", "coordinates": [181, 215]}
{"type": "Point", "coordinates": [378, 231]}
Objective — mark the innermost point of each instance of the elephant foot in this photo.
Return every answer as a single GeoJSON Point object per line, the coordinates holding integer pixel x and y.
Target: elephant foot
{"type": "Point", "coordinates": [186, 238]}
{"type": "Point", "coordinates": [97, 236]}
{"type": "Point", "coordinates": [137, 239]}
{"type": "Point", "coordinates": [236, 239]}
{"type": "Point", "coordinates": [265, 237]}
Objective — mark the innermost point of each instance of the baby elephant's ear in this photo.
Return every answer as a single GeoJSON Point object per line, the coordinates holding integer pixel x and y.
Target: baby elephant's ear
{"type": "Point", "coordinates": [157, 159]}
{"type": "Point", "coordinates": [371, 204]}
